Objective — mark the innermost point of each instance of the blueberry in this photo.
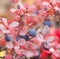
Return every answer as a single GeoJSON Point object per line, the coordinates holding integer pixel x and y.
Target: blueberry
{"type": "Point", "coordinates": [8, 37]}
{"type": "Point", "coordinates": [32, 32]}
{"type": "Point", "coordinates": [46, 46]}
{"type": "Point", "coordinates": [26, 37]}
{"type": "Point", "coordinates": [47, 22]}
{"type": "Point", "coordinates": [17, 38]}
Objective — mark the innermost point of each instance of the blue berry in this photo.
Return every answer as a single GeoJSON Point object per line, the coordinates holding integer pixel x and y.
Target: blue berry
{"type": "Point", "coordinates": [32, 32]}
{"type": "Point", "coordinates": [26, 37]}
{"type": "Point", "coordinates": [17, 38]}
{"type": "Point", "coordinates": [47, 22]}
{"type": "Point", "coordinates": [8, 37]}
{"type": "Point", "coordinates": [46, 46]}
